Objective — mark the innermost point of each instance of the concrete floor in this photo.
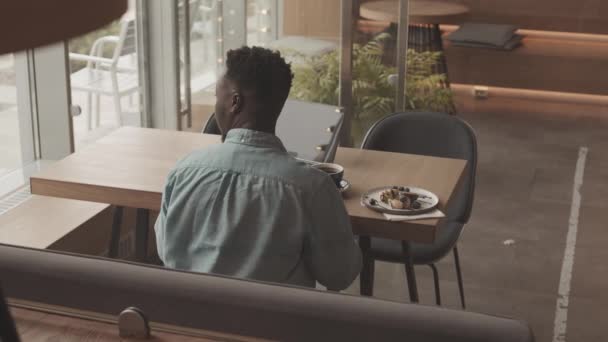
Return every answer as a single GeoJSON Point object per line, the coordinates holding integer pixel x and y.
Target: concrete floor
{"type": "Point", "coordinates": [524, 193]}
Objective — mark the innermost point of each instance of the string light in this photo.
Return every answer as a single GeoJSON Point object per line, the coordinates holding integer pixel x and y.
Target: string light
{"type": "Point", "coordinates": [265, 11]}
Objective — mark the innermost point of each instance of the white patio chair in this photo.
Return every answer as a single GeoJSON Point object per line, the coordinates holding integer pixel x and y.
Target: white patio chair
{"type": "Point", "coordinates": [116, 76]}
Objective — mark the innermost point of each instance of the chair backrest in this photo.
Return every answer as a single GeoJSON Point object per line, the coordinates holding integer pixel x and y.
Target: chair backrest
{"type": "Point", "coordinates": [433, 134]}
{"type": "Point", "coordinates": [211, 126]}
{"type": "Point", "coordinates": [127, 43]}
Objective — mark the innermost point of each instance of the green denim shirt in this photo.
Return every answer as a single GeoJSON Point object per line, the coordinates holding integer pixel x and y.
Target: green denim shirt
{"type": "Point", "coordinates": [246, 208]}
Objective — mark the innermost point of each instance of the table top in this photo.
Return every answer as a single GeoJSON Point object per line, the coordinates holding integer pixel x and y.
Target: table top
{"type": "Point", "coordinates": [420, 11]}
{"type": "Point", "coordinates": [33, 325]}
{"type": "Point", "coordinates": [129, 168]}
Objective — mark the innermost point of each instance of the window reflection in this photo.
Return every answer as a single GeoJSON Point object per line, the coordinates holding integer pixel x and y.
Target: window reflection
{"type": "Point", "coordinates": [10, 155]}
{"type": "Point", "coordinates": [104, 80]}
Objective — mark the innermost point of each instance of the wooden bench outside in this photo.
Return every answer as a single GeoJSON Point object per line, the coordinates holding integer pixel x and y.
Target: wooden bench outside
{"type": "Point", "coordinates": [51, 223]}
{"type": "Point", "coordinates": [546, 61]}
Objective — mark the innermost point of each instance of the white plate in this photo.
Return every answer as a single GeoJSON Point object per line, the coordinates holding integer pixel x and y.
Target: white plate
{"type": "Point", "coordinates": [428, 201]}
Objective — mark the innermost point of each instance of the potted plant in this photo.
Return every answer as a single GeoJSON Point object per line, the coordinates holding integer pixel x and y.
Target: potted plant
{"type": "Point", "coordinates": [316, 79]}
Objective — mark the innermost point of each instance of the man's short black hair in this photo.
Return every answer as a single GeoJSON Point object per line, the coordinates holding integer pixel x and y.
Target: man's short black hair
{"type": "Point", "coordinates": [262, 71]}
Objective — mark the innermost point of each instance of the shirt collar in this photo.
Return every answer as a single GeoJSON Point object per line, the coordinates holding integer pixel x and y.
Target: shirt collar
{"type": "Point", "coordinates": [255, 138]}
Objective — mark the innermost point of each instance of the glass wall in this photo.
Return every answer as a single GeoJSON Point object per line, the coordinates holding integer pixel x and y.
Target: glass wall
{"type": "Point", "coordinates": [307, 37]}
{"type": "Point", "coordinates": [309, 33]}
{"type": "Point", "coordinates": [16, 130]}
{"type": "Point", "coordinates": [104, 80]}
{"type": "Point", "coordinates": [10, 145]}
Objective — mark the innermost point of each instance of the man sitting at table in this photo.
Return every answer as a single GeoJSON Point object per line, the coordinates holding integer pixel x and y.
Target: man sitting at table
{"type": "Point", "coordinates": [248, 209]}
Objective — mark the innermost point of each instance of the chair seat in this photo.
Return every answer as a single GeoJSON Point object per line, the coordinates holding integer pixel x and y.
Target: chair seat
{"type": "Point", "coordinates": [100, 81]}
{"type": "Point", "coordinates": [422, 254]}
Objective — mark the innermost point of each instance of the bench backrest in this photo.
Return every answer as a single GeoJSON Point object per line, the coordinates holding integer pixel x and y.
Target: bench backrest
{"type": "Point", "coordinates": [238, 307]}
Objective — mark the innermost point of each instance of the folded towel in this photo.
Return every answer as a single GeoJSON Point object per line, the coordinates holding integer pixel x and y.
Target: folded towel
{"type": "Point", "coordinates": [489, 34]}
{"type": "Point", "coordinates": [510, 45]}
{"type": "Point", "coordinates": [433, 214]}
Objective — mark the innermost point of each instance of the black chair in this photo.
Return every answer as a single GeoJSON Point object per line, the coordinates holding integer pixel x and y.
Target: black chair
{"type": "Point", "coordinates": [211, 126]}
{"type": "Point", "coordinates": [433, 134]}
{"type": "Point", "coordinates": [326, 155]}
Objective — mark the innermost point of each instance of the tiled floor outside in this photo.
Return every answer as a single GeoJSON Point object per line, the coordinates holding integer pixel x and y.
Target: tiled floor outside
{"type": "Point", "coordinates": [108, 122]}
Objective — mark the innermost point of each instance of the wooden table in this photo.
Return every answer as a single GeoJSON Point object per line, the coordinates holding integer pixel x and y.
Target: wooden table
{"type": "Point", "coordinates": [420, 11]}
{"type": "Point", "coordinates": [129, 167]}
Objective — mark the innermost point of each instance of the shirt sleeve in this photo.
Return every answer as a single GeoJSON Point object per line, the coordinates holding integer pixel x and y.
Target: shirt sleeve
{"type": "Point", "coordinates": [160, 225]}
{"type": "Point", "coordinates": [332, 254]}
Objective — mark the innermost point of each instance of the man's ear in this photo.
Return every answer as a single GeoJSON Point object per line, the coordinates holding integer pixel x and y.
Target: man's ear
{"type": "Point", "coordinates": [238, 101]}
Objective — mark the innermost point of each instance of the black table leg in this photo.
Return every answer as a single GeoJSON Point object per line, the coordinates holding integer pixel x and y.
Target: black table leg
{"type": "Point", "coordinates": [141, 234]}
{"type": "Point", "coordinates": [115, 234]}
{"type": "Point", "coordinates": [409, 271]}
{"type": "Point", "coordinates": [366, 278]}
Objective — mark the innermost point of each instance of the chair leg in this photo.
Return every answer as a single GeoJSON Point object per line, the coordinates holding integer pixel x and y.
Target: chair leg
{"type": "Point", "coordinates": [98, 110]}
{"type": "Point", "coordinates": [436, 280]}
{"type": "Point", "coordinates": [410, 272]}
{"type": "Point", "coordinates": [366, 278]}
{"type": "Point", "coordinates": [459, 276]}
{"type": "Point", "coordinates": [117, 106]}
{"type": "Point", "coordinates": [115, 235]}
{"type": "Point", "coordinates": [142, 228]}
{"type": "Point", "coordinates": [89, 110]}
{"type": "Point", "coordinates": [118, 109]}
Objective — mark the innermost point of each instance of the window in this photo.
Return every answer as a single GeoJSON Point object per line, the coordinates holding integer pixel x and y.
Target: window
{"type": "Point", "coordinates": [16, 129]}
{"type": "Point", "coordinates": [10, 143]}
{"type": "Point", "coordinates": [104, 77]}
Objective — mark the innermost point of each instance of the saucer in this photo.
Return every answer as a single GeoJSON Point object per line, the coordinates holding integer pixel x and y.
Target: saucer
{"type": "Point", "coordinates": [344, 186]}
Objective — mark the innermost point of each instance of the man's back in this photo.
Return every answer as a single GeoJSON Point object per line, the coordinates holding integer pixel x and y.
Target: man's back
{"type": "Point", "coordinates": [246, 208]}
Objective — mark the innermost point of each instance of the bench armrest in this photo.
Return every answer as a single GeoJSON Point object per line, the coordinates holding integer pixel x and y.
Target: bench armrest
{"type": "Point", "coordinates": [88, 58]}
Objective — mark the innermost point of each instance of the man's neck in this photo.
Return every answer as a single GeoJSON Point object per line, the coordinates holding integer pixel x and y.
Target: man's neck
{"type": "Point", "coordinates": [255, 125]}
{"type": "Point", "coordinates": [250, 127]}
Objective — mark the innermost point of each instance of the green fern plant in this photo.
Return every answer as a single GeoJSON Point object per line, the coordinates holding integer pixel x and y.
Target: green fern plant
{"type": "Point", "coordinates": [316, 79]}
